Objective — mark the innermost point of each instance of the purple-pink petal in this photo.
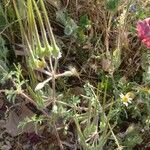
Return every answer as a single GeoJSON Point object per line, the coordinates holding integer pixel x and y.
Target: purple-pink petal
{"type": "Point", "coordinates": [143, 28]}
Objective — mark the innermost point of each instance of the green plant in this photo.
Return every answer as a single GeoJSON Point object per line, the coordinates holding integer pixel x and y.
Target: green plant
{"type": "Point", "coordinates": [36, 59]}
{"type": "Point", "coordinates": [101, 114]}
{"type": "Point", "coordinates": [70, 26]}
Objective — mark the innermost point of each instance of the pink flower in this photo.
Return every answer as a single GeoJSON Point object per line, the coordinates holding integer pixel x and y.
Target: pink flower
{"type": "Point", "coordinates": [143, 28]}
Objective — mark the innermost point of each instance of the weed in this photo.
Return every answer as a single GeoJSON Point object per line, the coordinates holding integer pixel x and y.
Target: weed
{"type": "Point", "coordinates": [102, 106]}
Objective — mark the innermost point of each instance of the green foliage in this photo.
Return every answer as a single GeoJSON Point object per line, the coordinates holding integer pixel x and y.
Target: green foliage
{"type": "Point", "coordinates": [116, 58]}
{"type": "Point", "coordinates": [69, 23]}
{"type": "Point", "coordinates": [4, 76]}
{"type": "Point", "coordinates": [89, 130]}
{"type": "Point", "coordinates": [132, 139]}
{"type": "Point", "coordinates": [17, 81]}
{"type": "Point", "coordinates": [97, 117]}
{"type": "Point", "coordinates": [3, 60]}
{"type": "Point", "coordinates": [3, 50]}
{"type": "Point", "coordinates": [36, 120]}
{"type": "Point", "coordinates": [74, 100]}
{"type": "Point", "coordinates": [2, 18]}
{"type": "Point", "coordinates": [146, 66]}
{"type": "Point", "coordinates": [85, 22]}
{"type": "Point", "coordinates": [112, 4]}
{"type": "Point", "coordinates": [41, 52]}
{"type": "Point", "coordinates": [70, 26]}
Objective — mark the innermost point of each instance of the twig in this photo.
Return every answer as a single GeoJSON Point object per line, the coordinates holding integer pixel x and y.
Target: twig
{"type": "Point", "coordinates": [58, 138]}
